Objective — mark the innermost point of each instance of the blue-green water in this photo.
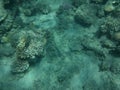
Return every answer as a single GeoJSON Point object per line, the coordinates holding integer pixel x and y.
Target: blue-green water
{"type": "Point", "coordinates": [59, 45]}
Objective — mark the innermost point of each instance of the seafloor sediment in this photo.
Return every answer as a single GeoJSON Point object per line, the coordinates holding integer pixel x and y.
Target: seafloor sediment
{"type": "Point", "coordinates": [59, 44]}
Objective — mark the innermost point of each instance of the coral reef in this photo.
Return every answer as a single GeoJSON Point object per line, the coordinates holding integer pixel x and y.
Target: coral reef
{"type": "Point", "coordinates": [29, 46]}
{"type": "Point", "coordinates": [59, 44]}
{"type": "Point", "coordinates": [98, 1]}
{"type": "Point", "coordinates": [35, 8]}
{"type": "Point", "coordinates": [95, 47]}
{"type": "Point", "coordinates": [65, 15]}
{"type": "Point", "coordinates": [111, 28]}
{"type": "Point", "coordinates": [77, 3]}
{"type": "Point", "coordinates": [3, 12]}
{"type": "Point", "coordinates": [6, 50]}
{"type": "Point", "coordinates": [109, 37]}
{"type": "Point", "coordinates": [19, 66]}
{"type": "Point", "coordinates": [111, 6]}
{"type": "Point", "coordinates": [84, 15]}
{"type": "Point", "coordinates": [115, 67]}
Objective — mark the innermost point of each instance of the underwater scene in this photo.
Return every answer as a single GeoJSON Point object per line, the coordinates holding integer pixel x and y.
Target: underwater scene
{"type": "Point", "coordinates": [59, 44]}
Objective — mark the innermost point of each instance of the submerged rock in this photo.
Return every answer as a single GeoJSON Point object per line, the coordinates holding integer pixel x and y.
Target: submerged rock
{"type": "Point", "coordinates": [77, 3]}
{"type": "Point", "coordinates": [115, 67]}
{"type": "Point", "coordinates": [116, 36]}
{"type": "Point", "coordinates": [111, 6]}
{"type": "Point", "coordinates": [6, 50]}
{"type": "Point", "coordinates": [85, 15]}
{"type": "Point", "coordinates": [3, 12]}
{"type": "Point", "coordinates": [99, 1]}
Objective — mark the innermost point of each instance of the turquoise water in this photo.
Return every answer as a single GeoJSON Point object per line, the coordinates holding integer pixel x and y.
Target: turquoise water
{"type": "Point", "coordinates": [59, 45]}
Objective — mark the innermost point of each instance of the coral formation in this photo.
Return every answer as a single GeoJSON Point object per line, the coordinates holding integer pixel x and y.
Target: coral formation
{"type": "Point", "coordinates": [73, 44]}
{"type": "Point", "coordinates": [111, 6]}
{"type": "Point", "coordinates": [65, 15]}
{"type": "Point", "coordinates": [115, 67]}
{"type": "Point", "coordinates": [111, 28]}
{"type": "Point", "coordinates": [84, 15]}
{"type": "Point", "coordinates": [35, 8]}
{"type": "Point", "coordinates": [19, 66]}
{"type": "Point", "coordinates": [98, 1]}
{"type": "Point", "coordinates": [6, 50]}
{"type": "Point", "coordinates": [29, 46]}
{"type": "Point", "coordinates": [77, 3]}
